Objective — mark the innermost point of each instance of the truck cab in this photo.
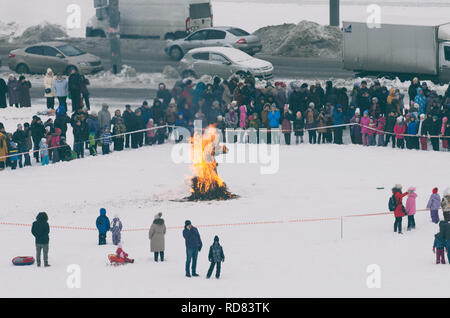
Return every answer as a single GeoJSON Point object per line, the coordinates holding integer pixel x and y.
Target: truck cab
{"type": "Point", "coordinates": [168, 19]}
{"type": "Point", "coordinates": [444, 62]}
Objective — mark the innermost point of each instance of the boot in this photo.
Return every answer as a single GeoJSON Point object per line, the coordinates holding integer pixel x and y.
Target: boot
{"type": "Point", "coordinates": [47, 265]}
{"type": "Point", "coordinates": [188, 275]}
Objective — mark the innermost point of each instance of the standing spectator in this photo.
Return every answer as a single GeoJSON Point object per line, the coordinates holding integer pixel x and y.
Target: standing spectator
{"type": "Point", "coordinates": [79, 133]}
{"type": "Point", "coordinates": [399, 131]}
{"type": "Point", "coordinates": [3, 147]}
{"type": "Point", "coordinates": [434, 204]}
{"type": "Point", "coordinates": [422, 131]}
{"type": "Point", "coordinates": [411, 208]}
{"type": "Point", "coordinates": [40, 231]}
{"type": "Point", "coordinates": [106, 141]}
{"type": "Point", "coordinates": [286, 126]}
{"type": "Point", "coordinates": [13, 93]}
{"type": "Point", "coordinates": [119, 130]}
{"type": "Point", "coordinates": [399, 211]}
{"type": "Point", "coordinates": [338, 117]}
{"type": "Point", "coordinates": [43, 149]}
{"type": "Point", "coordinates": [61, 90]}
{"type": "Point", "coordinates": [412, 142]}
{"type": "Point", "coordinates": [439, 246]}
{"type": "Point", "coordinates": [23, 89]}
{"type": "Point", "coordinates": [156, 236]}
{"type": "Point", "coordinates": [104, 118]}
{"type": "Point", "coordinates": [49, 81]}
{"type": "Point", "coordinates": [412, 90]}
{"type": "Point", "coordinates": [421, 100]}
{"type": "Point", "coordinates": [381, 123]}
{"type": "Point", "coordinates": [274, 122]}
{"type": "Point", "coordinates": [371, 133]}
{"type": "Point", "coordinates": [3, 93]}
{"type": "Point", "coordinates": [299, 127]}
{"type": "Point", "coordinates": [311, 123]}
{"type": "Point", "coordinates": [444, 128]}
{"type": "Point", "coordinates": [216, 257]}
{"type": "Point", "coordinates": [128, 118]}
{"type": "Point", "coordinates": [103, 226]}
{"type": "Point", "coordinates": [116, 228]}
{"type": "Point", "coordinates": [20, 138]}
{"type": "Point", "coordinates": [75, 89]}
{"type": "Point", "coordinates": [365, 122]}
{"type": "Point", "coordinates": [445, 204]}
{"type": "Point", "coordinates": [37, 133]}
{"type": "Point", "coordinates": [55, 142]}
{"type": "Point", "coordinates": [85, 92]}
{"type": "Point", "coordinates": [193, 247]}
{"type": "Point", "coordinates": [434, 133]}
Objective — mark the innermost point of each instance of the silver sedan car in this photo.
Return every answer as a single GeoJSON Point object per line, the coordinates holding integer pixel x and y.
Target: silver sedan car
{"type": "Point", "coordinates": [223, 62]}
{"type": "Point", "coordinates": [59, 56]}
{"type": "Point", "coordinates": [217, 36]}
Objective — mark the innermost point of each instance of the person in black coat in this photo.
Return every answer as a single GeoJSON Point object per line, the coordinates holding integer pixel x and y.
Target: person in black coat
{"type": "Point", "coordinates": [127, 120]}
{"type": "Point", "coordinates": [65, 152]}
{"type": "Point", "coordinates": [40, 231]}
{"type": "Point", "coordinates": [3, 92]}
{"type": "Point", "coordinates": [75, 83]}
{"type": "Point", "coordinates": [435, 130]}
{"type": "Point", "coordinates": [37, 133]}
{"type": "Point", "coordinates": [216, 257]}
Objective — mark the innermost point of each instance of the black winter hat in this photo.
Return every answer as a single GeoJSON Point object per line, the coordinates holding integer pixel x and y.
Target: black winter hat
{"type": "Point", "coordinates": [216, 238]}
{"type": "Point", "coordinates": [187, 223]}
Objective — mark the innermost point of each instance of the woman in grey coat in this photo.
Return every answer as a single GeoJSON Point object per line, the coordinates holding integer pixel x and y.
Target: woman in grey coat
{"type": "Point", "coordinates": [13, 94]}
{"type": "Point", "coordinates": [23, 89]}
{"type": "Point", "coordinates": [156, 236]}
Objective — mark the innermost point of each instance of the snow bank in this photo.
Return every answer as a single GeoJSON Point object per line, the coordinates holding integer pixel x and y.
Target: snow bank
{"type": "Point", "coordinates": [8, 30]}
{"type": "Point", "coordinates": [42, 32]}
{"type": "Point", "coordinates": [305, 39]}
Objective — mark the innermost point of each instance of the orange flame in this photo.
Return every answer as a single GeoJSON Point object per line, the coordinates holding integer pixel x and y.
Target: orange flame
{"type": "Point", "coordinates": [204, 166]}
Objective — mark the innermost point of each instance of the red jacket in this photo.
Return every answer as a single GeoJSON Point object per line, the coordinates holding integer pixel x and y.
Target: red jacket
{"type": "Point", "coordinates": [399, 209]}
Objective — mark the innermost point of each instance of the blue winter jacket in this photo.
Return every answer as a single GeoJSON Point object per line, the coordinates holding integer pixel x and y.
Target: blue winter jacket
{"type": "Point", "coordinates": [413, 128]}
{"type": "Point", "coordinates": [103, 223]}
{"type": "Point", "coordinates": [439, 242]}
{"type": "Point", "coordinates": [421, 100]}
{"type": "Point", "coordinates": [274, 119]}
{"type": "Point", "coordinates": [338, 117]}
{"type": "Point", "coordinates": [192, 238]}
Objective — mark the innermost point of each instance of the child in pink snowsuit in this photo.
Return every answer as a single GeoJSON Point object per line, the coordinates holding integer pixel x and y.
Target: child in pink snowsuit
{"type": "Point", "coordinates": [411, 208]}
{"type": "Point", "coordinates": [120, 253]}
{"type": "Point", "coordinates": [243, 117]}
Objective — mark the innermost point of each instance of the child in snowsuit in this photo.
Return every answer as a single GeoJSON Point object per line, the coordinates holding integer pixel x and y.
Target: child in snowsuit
{"type": "Point", "coordinates": [434, 205]}
{"type": "Point", "coordinates": [216, 257]}
{"type": "Point", "coordinates": [92, 144]}
{"type": "Point", "coordinates": [116, 228]}
{"type": "Point", "coordinates": [439, 248]}
{"type": "Point", "coordinates": [15, 157]}
{"type": "Point", "coordinates": [120, 253]}
{"type": "Point", "coordinates": [411, 208]}
{"type": "Point", "coordinates": [43, 148]}
{"type": "Point", "coordinates": [106, 141]}
{"type": "Point", "coordinates": [103, 226]}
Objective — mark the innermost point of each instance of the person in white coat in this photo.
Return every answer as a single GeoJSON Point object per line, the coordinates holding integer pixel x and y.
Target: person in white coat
{"type": "Point", "coordinates": [49, 80]}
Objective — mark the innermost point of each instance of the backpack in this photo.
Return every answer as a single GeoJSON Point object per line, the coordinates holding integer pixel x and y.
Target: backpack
{"type": "Point", "coordinates": [392, 203]}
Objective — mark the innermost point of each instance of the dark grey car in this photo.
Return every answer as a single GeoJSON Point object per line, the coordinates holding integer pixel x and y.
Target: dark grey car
{"type": "Point", "coordinates": [59, 56]}
{"type": "Point", "coordinates": [217, 36]}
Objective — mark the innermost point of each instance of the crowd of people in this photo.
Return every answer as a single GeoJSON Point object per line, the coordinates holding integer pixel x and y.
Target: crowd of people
{"type": "Point", "coordinates": [374, 115]}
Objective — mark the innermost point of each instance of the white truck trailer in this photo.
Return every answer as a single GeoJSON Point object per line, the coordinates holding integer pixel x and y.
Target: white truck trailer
{"type": "Point", "coordinates": [398, 50]}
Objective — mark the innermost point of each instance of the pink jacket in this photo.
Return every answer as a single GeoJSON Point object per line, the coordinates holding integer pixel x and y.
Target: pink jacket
{"type": "Point", "coordinates": [411, 203]}
{"type": "Point", "coordinates": [380, 125]}
{"type": "Point", "coordinates": [243, 117]}
{"type": "Point", "coordinates": [398, 130]}
{"type": "Point", "coordinates": [364, 123]}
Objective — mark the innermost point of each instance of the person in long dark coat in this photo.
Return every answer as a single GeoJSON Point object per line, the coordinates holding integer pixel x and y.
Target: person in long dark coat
{"type": "Point", "coordinates": [13, 95]}
{"type": "Point", "coordinates": [3, 92]}
{"type": "Point", "coordinates": [40, 231]}
{"type": "Point", "coordinates": [23, 90]}
{"type": "Point", "coordinates": [75, 82]}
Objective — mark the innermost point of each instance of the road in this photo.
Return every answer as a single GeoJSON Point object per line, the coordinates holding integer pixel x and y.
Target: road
{"type": "Point", "coordinates": [147, 56]}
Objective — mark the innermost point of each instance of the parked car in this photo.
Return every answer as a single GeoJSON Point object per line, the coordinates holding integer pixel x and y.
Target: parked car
{"type": "Point", "coordinates": [59, 56]}
{"type": "Point", "coordinates": [167, 19]}
{"type": "Point", "coordinates": [217, 36]}
{"type": "Point", "coordinates": [223, 62]}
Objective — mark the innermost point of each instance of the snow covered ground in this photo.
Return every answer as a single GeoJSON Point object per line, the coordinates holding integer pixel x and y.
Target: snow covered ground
{"type": "Point", "coordinates": [281, 259]}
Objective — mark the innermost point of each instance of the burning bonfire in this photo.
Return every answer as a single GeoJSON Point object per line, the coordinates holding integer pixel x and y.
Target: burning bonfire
{"type": "Point", "coordinates": [206, 183]}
